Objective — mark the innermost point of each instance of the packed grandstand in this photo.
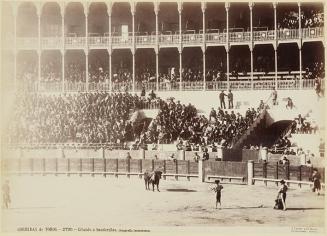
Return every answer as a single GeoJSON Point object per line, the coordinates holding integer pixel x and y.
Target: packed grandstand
{"type": "Point", "coordinates": [79, 82]}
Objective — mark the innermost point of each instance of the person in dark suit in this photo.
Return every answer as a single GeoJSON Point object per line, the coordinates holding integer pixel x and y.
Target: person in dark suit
{"type": "Point", "coordinates": [282, 193]}
{"type": "Point", "coordinates": [222, 99]}
{"type": "Point", "coordinates": [316, 181]}
{"type": "Point", "coordinates": [230, 100]}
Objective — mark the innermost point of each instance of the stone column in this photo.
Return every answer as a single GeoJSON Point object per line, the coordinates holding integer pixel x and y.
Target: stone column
{"type": "Point", "coordinates": [251, 4]}
{"type": "Point", "coordinates": [39, 52]}
{"type": "Point", "coordinates": [204, 66]}
{"type": "Point", "coordinates": [203, 8]}
{"type": "Point", "coordinates": [300, 45]}
{"type": "Point", "coordinates": [86, 49]}
{"type": "Point", "coordinates": [14, 6]}
{"type": "Point", "coordinates": [156, 12]}
{"type": "Point", "coordinates": [227, 6]}
{"type": "Point", "coordinates": [180, 49]}
{"type": "Point", "coordinates": [133, 42]}
{"type": "Point", "coordinates": [109, 12]}
{"type": "Point", "coordinates": [110, 69]}
{"type": "Point", "coordinates": [133, 69]}
{"type": "Point", "coordinates": [275, 44]}
{"type": "Point", "coordinates": [156, 50]}
{"type": "Point", "coordinates": [63, 52]}
{"type": "Point", "coordinates": [276, 66]}
{"type": "Point", "coordinates": [325, 37]}
{"type": "Point", "coordinates": [62, 12]}
{"type": "Point", "coordinates": [300, 64]}
{"type": "Point", "coordinates": [251, 62]}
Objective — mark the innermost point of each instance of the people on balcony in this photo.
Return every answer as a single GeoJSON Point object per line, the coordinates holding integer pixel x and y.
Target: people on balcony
{"type": "Point", "coordinates": [27, 71]}
{"type": "Point", "coordinates": [312, 18]}
{"type": "Point", "coordinates": [51, 71]}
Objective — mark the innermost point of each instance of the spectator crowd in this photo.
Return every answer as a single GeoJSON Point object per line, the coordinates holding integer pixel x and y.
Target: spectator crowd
{"type": "Point", "coordinates": [107, 118]}
{"type": "Point", "coordinates": [80, 118]}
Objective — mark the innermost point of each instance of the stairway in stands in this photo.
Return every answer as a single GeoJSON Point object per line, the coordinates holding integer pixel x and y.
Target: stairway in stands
{"type": "Point", "coordinates": [258, 124]}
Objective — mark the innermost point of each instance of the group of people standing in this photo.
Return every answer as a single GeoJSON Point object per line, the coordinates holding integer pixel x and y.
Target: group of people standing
{"type": "Point", "coordinates": [230, 98]}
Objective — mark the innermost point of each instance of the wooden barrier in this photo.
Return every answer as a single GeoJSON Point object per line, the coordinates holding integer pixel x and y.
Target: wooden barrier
{"type": "Point", "coordinates": [248, 155]}
{"type": "Point", "coordinates": [92, 166]}
{"type": "Point", "coordinates": [275, 171]}
{"type": "Point", "coordinates": [260, 171]}
{"type": "Point", "coordinates": [225, 168]}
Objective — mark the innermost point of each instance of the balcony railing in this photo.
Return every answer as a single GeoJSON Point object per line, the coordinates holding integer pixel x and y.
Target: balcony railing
{"type": "Point", "coordinates": [192, 86]}
{"type": "Point", "coordinates": [242, 84]}
{"type": "Point", "coordinates": [98, 41]}
{"type": "Point", "coordinates": [168, 39]}
{"type": "Point", "coordinates": [145, 40]}
{"type": "Point", "coordinates": [75, 87]}
{"type": "Point", "coordinates": [216, 85]}
{"type": "Point", "coordinates": [53, 86]}
{"type": "Point", "coordinates": [240, 36]}
{"type": "Point", "coordinates": [216, 37]}
{"type": "Point", "coordinates": [312, 33]}
{"type": "Point", "coordinates": [147, 86]}
{"type": "Point", "coordinates": [122, 40]}
{"type": "Point", "coordinates": [122, 87]}
{"type": "Point", "coordinates": [51, 42]}
{"type": "Point", "coordinates": [75, 42]}
{"type": "Point", "coordinates": [192, 38]}
{"type": "Point", "coordinates": [169, 86]}
{"type": "Point", "coordinates": [27, 42]}
{"type": "Point", "coordinates": [263, 35]}
{"type": "Point", "coordinates": [287, 34]}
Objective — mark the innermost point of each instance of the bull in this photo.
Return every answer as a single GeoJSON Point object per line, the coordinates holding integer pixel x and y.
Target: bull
{"type": "Point", "coordinates": [152, 178]}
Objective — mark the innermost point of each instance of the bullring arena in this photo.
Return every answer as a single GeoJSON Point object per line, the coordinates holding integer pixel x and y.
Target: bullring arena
{"type": "Point", "coordinates": [95, 94]}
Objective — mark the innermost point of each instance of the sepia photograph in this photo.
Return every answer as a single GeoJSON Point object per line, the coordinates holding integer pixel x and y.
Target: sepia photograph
{"type": "Point", "coordinates": [162, 117]}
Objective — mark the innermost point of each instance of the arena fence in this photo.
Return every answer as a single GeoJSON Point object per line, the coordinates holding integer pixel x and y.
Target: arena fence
{"type": "Point", "coordinates": [97, 166]}
{"type": "Point", "coordinates": [109, 151]}
{"type": "Point", "coordinates": [272, 171]}
{"type": "Point", "coordinates": [236, 172]}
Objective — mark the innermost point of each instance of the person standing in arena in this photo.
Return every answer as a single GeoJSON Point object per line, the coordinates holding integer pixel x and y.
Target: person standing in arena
{"type": "Point", "coordinates": [230, 100]}
{"type": "Point", "coordinates": [222, 99]}
{"type": "Point", "coordinates": [217, 190]}
{"type": "Point", "coordinates": [316, 181]}
{"type": "Point", "coordinates": [317, 87]}
{"type": "Point", "coordinates": [6, 194]}
{"type": "Point", "coordinates": [282, 193]}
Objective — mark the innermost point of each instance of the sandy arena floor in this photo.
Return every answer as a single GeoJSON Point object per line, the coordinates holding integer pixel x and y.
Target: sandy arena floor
{"type": "Point", "coordinates": [121, 202]}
